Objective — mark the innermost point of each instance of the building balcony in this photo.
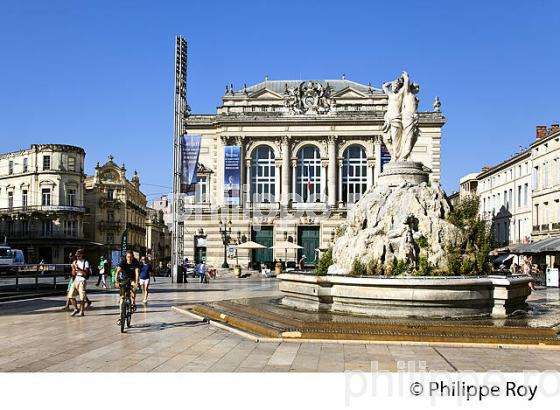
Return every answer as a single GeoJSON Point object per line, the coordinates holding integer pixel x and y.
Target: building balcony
{"type": "Point", "coordinates": [110, 225]}
{"type": "Point", "coordinates": [536, 228]}
{"type": "Point", "coordinates": [556, 225]}
{"type": "Point", "coordinates": [110, 203]}
{"type": "Point", "coordinates": [545, 227]}
{"type": "Point", "coordinates": [38, 234]}
{"type": "Point", "coordinates": [18, 210]}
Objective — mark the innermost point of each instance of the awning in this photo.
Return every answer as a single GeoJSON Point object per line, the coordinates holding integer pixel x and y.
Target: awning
{"type": "Point", "coordinates": [550, 245]}
{"type": "Point", "coordinates": [503, 258]}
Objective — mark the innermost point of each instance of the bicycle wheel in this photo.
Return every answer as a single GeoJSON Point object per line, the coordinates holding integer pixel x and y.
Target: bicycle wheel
{"type": "Point", "coordinates": [129, 314]}
{"type": "Point", "coordinates": [123, 315]}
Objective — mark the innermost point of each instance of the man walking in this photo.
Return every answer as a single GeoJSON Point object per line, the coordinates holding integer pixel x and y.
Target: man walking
{"type": "Point", "coordinates": [80, 272]}
{"type": "Point", "coordinates": [102, 272]}
{"type": "Point", "coordinates": [202, 271]}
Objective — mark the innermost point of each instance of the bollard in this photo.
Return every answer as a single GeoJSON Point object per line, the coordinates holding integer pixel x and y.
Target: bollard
{"type": "Point", "coordinates": [54, 279]}
{"type": "Point", "coordinates": [17, 279]}
{"type": "Point", "coordinates": [36, 280]}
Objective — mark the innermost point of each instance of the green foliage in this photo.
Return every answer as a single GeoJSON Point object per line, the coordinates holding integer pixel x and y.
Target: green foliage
{"type": "Point", "coordinates": [358, 268]}
{"type": "Point", "coordinates": [424, 267]}
{"type": "Point", "coordinates": [422, 242]}
{"type": "Point", "coordinates": [471, 256]}
{"type": "Point", "coordinates": [372, 267]}
{"type": "Point", "coordinates": [399, 268]}
{"type": "Point", "coordinates": [325, 261]}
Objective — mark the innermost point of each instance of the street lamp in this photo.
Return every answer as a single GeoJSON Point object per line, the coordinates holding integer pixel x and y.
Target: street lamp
{"type": "Point", "coordinates": [225, 231]}
{"type": "Point", "coordinates": [239, 243]}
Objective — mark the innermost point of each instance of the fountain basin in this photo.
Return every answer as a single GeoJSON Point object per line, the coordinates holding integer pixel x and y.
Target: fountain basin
{"type": "Point", "coordinates": [406, 296]}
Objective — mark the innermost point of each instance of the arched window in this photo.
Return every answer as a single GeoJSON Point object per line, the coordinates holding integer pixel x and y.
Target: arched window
{"type": "Point", "coordinates": [263, 173]}
{"type": "Point", "coordinates": [308, 174]}
{"type": "Point", "coordinates": [354, 174]}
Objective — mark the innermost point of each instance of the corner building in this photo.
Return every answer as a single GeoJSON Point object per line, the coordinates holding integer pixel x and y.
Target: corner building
{"type": "Point", "coordinates": [308, 151]}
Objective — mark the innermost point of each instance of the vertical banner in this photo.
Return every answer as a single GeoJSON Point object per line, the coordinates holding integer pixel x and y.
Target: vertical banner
{"type": "Point", "coordinates": [190, 151]}
{"type": "Point", "coordinates": [232, 174]}
{"type": "Point", "coordinates": [385, 156]}
{"type": "Point", "coordinates": [124, 242]}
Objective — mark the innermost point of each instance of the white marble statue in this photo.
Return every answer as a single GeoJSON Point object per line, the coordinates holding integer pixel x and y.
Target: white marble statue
{"type": "Point", "coordinates": [401, 118]}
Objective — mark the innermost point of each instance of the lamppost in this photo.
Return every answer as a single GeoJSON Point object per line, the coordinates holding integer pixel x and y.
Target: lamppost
{"type": "Point", "coordinates": [239, 243]}
{"type": "Point", "coordinates": [285, 249]}
{"type": "Point", "coordinates": [225, 231]}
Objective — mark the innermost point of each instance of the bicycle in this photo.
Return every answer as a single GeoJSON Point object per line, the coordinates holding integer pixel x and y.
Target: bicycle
{"type": "Point", "coordinates": [126, 307]}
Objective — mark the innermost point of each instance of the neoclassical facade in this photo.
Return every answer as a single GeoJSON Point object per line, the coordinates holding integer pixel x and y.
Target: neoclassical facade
{"type": "Point", "coordinates": [309, 150]}
{"type": "Point", "coordinates": [116, 204]}
{"type": "Point", "coordinates": [42, 201]}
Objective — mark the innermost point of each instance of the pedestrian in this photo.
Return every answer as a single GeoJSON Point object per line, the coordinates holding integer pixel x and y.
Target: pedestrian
{"type": "Point", "coordinates": [102, 272]}
{"type": "Point", "coordinates": [302, 262]}
{"type": "Point", "coordinates": [80, 272]}
{"type": "Point", "coordinates": [145, 272]}
{"type": "Point", "coordinates": [71, 259]}
{"type": "Point", "coordinates": [202, 271]}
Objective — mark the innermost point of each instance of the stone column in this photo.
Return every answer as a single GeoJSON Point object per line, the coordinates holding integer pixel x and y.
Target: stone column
{"type": "Point", "coordinates": [248, 175]}
{"type": "Point", "coordinates": [377, 153]}
{"type": "Point", "coordinates": [340, 164]}
{"type": "Point", "coordinates": [240, 141]}
{"type": "Point", "coordinates": [294, 178]}
{"type": "Point", "coordinates": [370, 171]}
{"type": "Point", "coordinates": [277, 180]}
{"type": "Point", "coordinates": [323, 180]}
{"type": "Point", "coordinates": [285, 191]}
{"type": "Point", "coordinates": [332, 180]}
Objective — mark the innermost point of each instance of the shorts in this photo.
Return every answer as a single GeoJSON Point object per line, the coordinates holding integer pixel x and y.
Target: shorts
{"type": "Point", "coordinates": [78, 287]}
{"type": "Point", "coordinates": [124, 283]}
{"type": "Point", "coordinates": [144, 282]}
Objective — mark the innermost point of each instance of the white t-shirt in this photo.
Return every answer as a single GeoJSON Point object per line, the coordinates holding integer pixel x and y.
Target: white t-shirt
{"type": "Point", "coordinates": [81, 267]}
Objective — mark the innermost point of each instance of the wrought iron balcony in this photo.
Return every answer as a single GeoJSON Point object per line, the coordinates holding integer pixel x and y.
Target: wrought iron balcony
{"type": "Point", "coordinates": [110, 225]}
{"type": "Point", "coordinates": [545, 227]}
{"type": "Point", "coordinates": [536, 228]}
{"type": "Point", "coordinates": [17, 210]}
{"type": "Point", "coordinates": [110, 203]}
{"type": "Point", "coordinates": [556, 225]}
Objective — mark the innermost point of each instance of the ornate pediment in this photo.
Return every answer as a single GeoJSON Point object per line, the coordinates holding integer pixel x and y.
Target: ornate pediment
{"type": "Point", "coordinates": [350, 93]}
{"type": "Point", "coordinates": [266, 94]}
{"type": "Point", "coordinates": [309, 98]}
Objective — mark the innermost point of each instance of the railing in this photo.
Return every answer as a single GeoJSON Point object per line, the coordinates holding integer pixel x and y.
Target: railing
{"type": "Point", "coordinates": [556, 225]}
{"type": "Point", "coordinates": [110, 225]}
{"type": "Point", "coordinates": [41, 208]}
{"type": "Point", "coordinates": [536, 228]}
{"type": "Point", "coordinates": [545, 227]}
{"type": "Point", "coordinates": [34, 233]}
{"type": "Point", "coordinates": [21, 277]}
{"type": "Point", "coordinates": [109, 203]}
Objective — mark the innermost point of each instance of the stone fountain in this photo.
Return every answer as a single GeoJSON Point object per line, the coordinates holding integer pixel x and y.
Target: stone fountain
{"type": "Point", "coordinates": [394, 225]}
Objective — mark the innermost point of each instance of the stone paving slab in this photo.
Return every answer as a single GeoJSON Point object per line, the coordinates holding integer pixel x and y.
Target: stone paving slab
{"type": "Point", "coordinates": [36, 336]}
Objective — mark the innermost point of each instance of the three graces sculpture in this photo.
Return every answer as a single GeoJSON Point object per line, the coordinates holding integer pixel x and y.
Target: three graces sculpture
{"type": "Point", "coordinates": [401, 119]}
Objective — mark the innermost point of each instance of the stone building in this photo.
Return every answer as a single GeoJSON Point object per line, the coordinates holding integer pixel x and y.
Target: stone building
{"type": "Point", "coordinates": [115, 204]}
{"type": "Point", "coordinates": [158, 238]}
{"type": "Point", "coordinates": [545, 158]}
{"type": "Point", "coordinates": [164, 205]}
{"type": "Point", "coordinates": [308, 151]}
{"type": "Point", "coordinates": [42, 201]}
{"type": "Point", "coordinates": [505, 198]}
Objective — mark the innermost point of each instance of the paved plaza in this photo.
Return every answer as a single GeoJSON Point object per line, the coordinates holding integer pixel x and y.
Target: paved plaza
{"type": "Point", "coordinates": [35, 335]}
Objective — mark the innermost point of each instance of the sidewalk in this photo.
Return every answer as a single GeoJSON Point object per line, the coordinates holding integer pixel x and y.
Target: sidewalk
{"type": "Point", "coordinates": [36, 336]}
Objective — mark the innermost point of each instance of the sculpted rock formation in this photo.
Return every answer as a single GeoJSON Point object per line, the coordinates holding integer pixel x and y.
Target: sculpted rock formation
{"type": "Point", "coordinates": [387, 225]}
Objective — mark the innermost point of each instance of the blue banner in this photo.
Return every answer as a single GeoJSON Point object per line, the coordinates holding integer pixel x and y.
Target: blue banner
{"type": "Point", "coordinates": [232, 174]}
{"type": "Point", "coordinates": [190, 150]}
{"type": "Point", "coordinates": [385, 156]}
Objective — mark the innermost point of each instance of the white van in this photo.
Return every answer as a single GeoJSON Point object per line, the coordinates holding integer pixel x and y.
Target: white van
{"type": "Point", "coordinates": [6, 255]}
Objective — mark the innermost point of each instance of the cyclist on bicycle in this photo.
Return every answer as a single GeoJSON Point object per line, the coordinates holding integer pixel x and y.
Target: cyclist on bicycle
{"type": "Point", "coordinates": [127, 274]}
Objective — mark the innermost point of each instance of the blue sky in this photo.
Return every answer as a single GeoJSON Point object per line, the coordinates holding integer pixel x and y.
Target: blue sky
{"type": "Point", "coordinates": [99, 74]}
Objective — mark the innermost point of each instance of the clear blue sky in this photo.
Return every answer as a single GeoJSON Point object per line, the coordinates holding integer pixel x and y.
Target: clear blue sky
{"type": "Point", "coordinates": [99, 74]}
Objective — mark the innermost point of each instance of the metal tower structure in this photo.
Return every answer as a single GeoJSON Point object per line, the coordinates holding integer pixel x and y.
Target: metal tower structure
{"type": "Point", "coordinates": [180, 115]}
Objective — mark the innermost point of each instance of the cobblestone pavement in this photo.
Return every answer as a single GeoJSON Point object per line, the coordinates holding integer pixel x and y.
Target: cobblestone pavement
{"type": "Point", "coordinates": [35, 335]}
